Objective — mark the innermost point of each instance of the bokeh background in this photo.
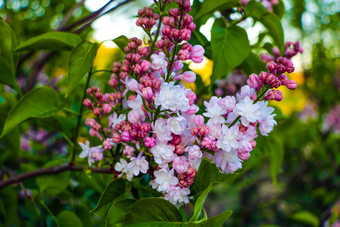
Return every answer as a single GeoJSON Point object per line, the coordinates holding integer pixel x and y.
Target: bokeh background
{"type": "Point", "coordinates": [303, 191]}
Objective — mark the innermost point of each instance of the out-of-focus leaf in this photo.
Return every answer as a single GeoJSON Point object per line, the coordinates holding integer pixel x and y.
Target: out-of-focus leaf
{"type": "Point", "coordinates": [53, 184]}
{"type": "Point", "coordinates": [153, 212]}
{"type": "Point", "coordinates": [270, 20]}
{"type": "Point", "coordinates": [276, 157]}
{"type": "Point", "coordinates": [307, 218]}
{"type": "Point", "coordinates": [211, 6]}
{"type": "Point", "coordinates": [39, 103]}
{"type": "Point", "coordinates": [230, 47]}
{"type": "Point", "coordinates": [252, 64]}
{"type": "Point", "coordinates": [80, 63]}
{"type": "Point", "coordinates": [51, 41]}
{"type": "Point", "coordinates": [209, 174]}
{"type": "Point", "coordinates": [118, 211]}
{"type": "Point", "coordinates": [217, 220]}
{"type": "Point", "coordinates": [115, 189]}
{"type": "Point", "coordinates": [67, 218]}
{"type": "Point", "coordinates": [121, 41]}
{"type": "Point", "coordinates": [279, 9]}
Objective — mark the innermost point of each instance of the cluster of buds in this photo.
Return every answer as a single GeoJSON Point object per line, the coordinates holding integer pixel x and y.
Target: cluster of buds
{"type": "Point", "coordinates": [149, 123]}
{"type": "Point", "coordinates": [147, 18]}
{"type": "Point", "coordinates": [291, 49]}
{"type": "Point", "coordinates": [332, 120]}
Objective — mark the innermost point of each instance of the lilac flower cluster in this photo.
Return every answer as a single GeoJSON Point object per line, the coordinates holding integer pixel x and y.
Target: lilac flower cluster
{"type": "Point", "coordinates": [332, 120]}
{"type": "Point", "coordinates": [149, 123]}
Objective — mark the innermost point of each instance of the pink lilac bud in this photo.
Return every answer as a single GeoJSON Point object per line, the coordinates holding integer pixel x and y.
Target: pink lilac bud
{"type": "Point", "coordinates": [179, 149]}
{"type": "Point", "coordinates": [137, 69]}
{"type": "Point", "coordinates": [190, 181]}
{"type": "Point", "coordinates": [191, 26]}
{"type": "Point", "coordinates": [192, 110]}
{"type": "Point", "coordinates": [156, 83]}
{"type": "Point", "coordinates": [93, 132]}
{"type": "Point", "coordinates": [274, 95]}
{"type": "Point", "coordinates": [113, 82]}
{"type": "Point", "coordinates": [187, 19]}
{"type": "Point", "coordinates": [90, 122]}
{"type": "Point", "coordinates": [123, 75]}
{"type": "Point", "coordinates": [194, 131]}
{"type": "Point", "coordinates": [263, 76]}
{"type": "Point", "coordinates": [290, 84]}
{"type": "Point", "coordinates": [145, 65]}
{"type": "Point", "coordinates": [128, 151]}
{"type": "Point", "coordinates": [115, 138]}
{"type": "Point", "coordinates": [175, 33]}
{"type": "Point", "coordinates": [106, 109]}
{"type": "Point", "coordinates": [166, 30]}
{"type": "Point", "coordinates": [253, 81]}
{"type": "Point", "coordinates": [185, 34]}
{"type": "Point", "coordinates": [253, 143]}
{"type": "Point", "coordinates": [283, 78]}
{"type": "Point", "coordinates": [180, 164]}
{"type": "Point", "coordinates": [144, 51]}
{"type": "Point", "coordinates": [87, 103]}
{"type": "Point", "coordinates": [243, 155]}
{"type": "Point", "coordinates": [126, 136]}
{"type": "Point", "coordinates": [97, 154]}
{"type": "Point", "coordinates": [176, 139]}
{"type": "Point", "coordinates": [187, 46]}
{"type": "Point", "coordinates": [271, 66]}
{"type": "Point", "coordinates": [191, 172]}
{"type": "Point", "coordinates": [197, 54]}
{"type": "Point", "coordinates": [178, 65]}
{"type": "Point", "coordinates": [166, 20]}
{"type": "Point", "coordinates": [107, 144]}
{"type": "Point", "coordinates": [159, 44]}
{"type": "Point", "coordinates": [183, 55]}
{"type": "Point", "coordinates": [149, 142]}
{"type": "Point", "coordinates": [182, 183]}
{"type": "Point", "coordinates": [147, 92]}
{"type": "Point", "coordinates": [174, 12]}
{"type": "Point", "coordinates": [96, 111]}
{"type": "Point", "coordinates": [273, 81]}
{"type": "Point", "coordinates": [145, 127]}
{"type": "Point", "coordinates": [199, 120]}
{"type": "Point", "coordinates": [203, 130]}
{"type": "Point", "coordinates": [189, 76]}
{"type": "Point", "coordinates": [191, 96]}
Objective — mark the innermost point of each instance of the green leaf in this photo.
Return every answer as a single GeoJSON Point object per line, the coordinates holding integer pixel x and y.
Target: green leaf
{"type": "Point", "coordinates": [50, 41]}
{"type": "Point", "coordinates": [252, 64]}
{"type": "Point", "coordinates": [211, 6]}
{"type": "Point", "coordinates": [217, 220]}
{"type": "Point", "coordinates": [199, 204]}
{"type": "Point", "coordinates": [279, 9]}
{"type": "Point", "coordinates": [230, 46]}
{"type": "Point", "coordinates": [208, 173]}
{"type": "Point", "coordinates": [41, 102]}
{"type": "Point", "coordinates": [121, 41]}
{"type": "Point", "coordinates": [113, 191]}
{"type": "Point", "coordinates": [53, 184]}
{"type": "Point", "coordinates": [118, 211]}
{"type": "Point", "coordinates": [8, 59]}
{"type": "Point", "coordinates": [307, 218]}
{"type": "Point", "coordinates": [198, 38]}
{"type": "Point", "coordinates": [270, 20]}
{"type": "Point", "coordinates": [149, 211]}
{"type": "Point", "coordinates": [275, 156]}
{"type": "Point", "coordinates": [67, 218]}
{"type": "Point", "coordinates": [80, 63]}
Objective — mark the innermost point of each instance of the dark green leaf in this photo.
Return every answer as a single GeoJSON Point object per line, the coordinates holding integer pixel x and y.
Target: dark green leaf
{"type": "Point", "coordinates": [252, 64]}
{"type": "Point", "coordinates": [230, 46]}
{"type": "Point", "coordinates": [53, 184]}
{"type": "Point", "coordinates": [115, 190]}
{"type": "Point", "coordinates": [80, 63]}
{"type": "Point", "coordinates": [217, 220]}
{"type": "Point", "coordinates": [270, 20]}
{"type": "Point", "coordinates": [118, 211]}
{"type": "Point", "coordinates": [276, 157]}
{"type": "Point", "coordinates": [67, 218]}
{"type": "Point", "coordinates": [211, 6]}
{"type": "Point", "coordinates": [121, 41]}
{"type": "Point", "coordinates": [153, 210]}
{"type": "Point", "coordinates": [279, 9]}
{"type": "Point", "coordinates": [208, 173]}
{"type": "Point", "coordinates": [39, 103]}
{"type": "Point", "coordinates": [51, 41]}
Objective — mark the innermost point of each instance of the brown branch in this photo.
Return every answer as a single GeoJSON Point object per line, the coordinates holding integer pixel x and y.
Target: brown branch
{"type": "Point", "coordinates": [50, 170]}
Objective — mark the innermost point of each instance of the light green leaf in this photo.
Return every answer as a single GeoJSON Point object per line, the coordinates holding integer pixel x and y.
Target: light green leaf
{"type": "Point", "coordinates": [67, 218]}
{"type": "Point", "coordinates": [199, 204]}
{"type": "Point", "coordinates": [80, 63]}
{"type": "Point", "coordinates": [307, 218]}
{"type": "Point", "coordinates": [270, 20]}
{"type": "Point", "coordinates": [149, 211]}
{"type": "Point", "coordinates": [209, 174]}
{"type": "Point", "coordinates": [41, 102]}
{"type": "Point", "coordinates": [118, 211]}
{"type": "Point", "coordinates": [230, 47]}
{"type": "Point", "coordinates": [113, 191]}
{"type": "Point", "coordinates": [215, 221]}
{"type": "Point", "coordinates": [211, 6]}
{"type": "Point", "coordinates": [53, 184]}
{"type": "Point", "coordinates": [121, 41]}
{"type": "Point", "coordinates": [275, 156]}
{"type": "Point", "coordinates": [50, 41]}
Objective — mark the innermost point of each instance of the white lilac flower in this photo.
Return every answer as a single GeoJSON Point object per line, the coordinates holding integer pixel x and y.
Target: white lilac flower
{"type": "Point", "coordinates": [122, 167]}
{"type": "Point", "coordinates": [229, 162]}
{"type": "Point", "coordinates": [137, 165]}
{"type": "Point", "coordinates": [163, 179]}
{"type": "Point", "coordinates": [194, 152]}
{"type": "Point", "coordinates": [246, 91]}
{"type": "Point", "coordinates": [114, 119]}
{"type": "Point", "coordinates": [215, 113]}
{"type": "Point", "coordinates": [163, 153]}
{"type": "Point", "coordinates": [215, 131]}
{"type": "Point", "coordinates": [173, 97]}
{"type": "Point", "coordinates": [92, 154]}
{"type": "Point", "coordinates": [249, 112]}
{"type": "Point", "coordinates": [136, 114]}
{"type": "Point", "coordinates": [267, 125]}
{"type": "Point", "coordinates": [177, 195]}
{"type": "Point", "coordinates": [161, 130]}
{"type": "Point", "coordinates": [228, 103]}
{"type": "Point", "coordinates": [176, 125]}
{"type": "Point", "coordinates": [158, 61]}
{"type": "Point", "coordinates": [229, 138]}
{"type": "Point", "coordinates": [213, 100]}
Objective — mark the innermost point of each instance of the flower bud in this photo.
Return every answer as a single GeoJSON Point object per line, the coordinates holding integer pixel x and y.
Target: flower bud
{"type": "Point", "coordinates": [253, 81]}
{"type": "Point", "coordinates": [149, 142]}
{"type": "Point", "coordinates": [291, 84]}
{"type": "Point", "coordinates": [147, 92]}
{"type": "Point", "coordinates": [185, 34]}
{"type": "Point", "coordinates": [106, 108]}
{"type": "Point", "coordinates": [126, 136]}
{"type": "Point", "coordinates": [115, 138]}
{"type": "Point", "coordinates": [199, 120]}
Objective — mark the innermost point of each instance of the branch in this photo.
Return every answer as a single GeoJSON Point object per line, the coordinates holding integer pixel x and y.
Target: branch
{"type": "Point", "coordinates": [50, 170]}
